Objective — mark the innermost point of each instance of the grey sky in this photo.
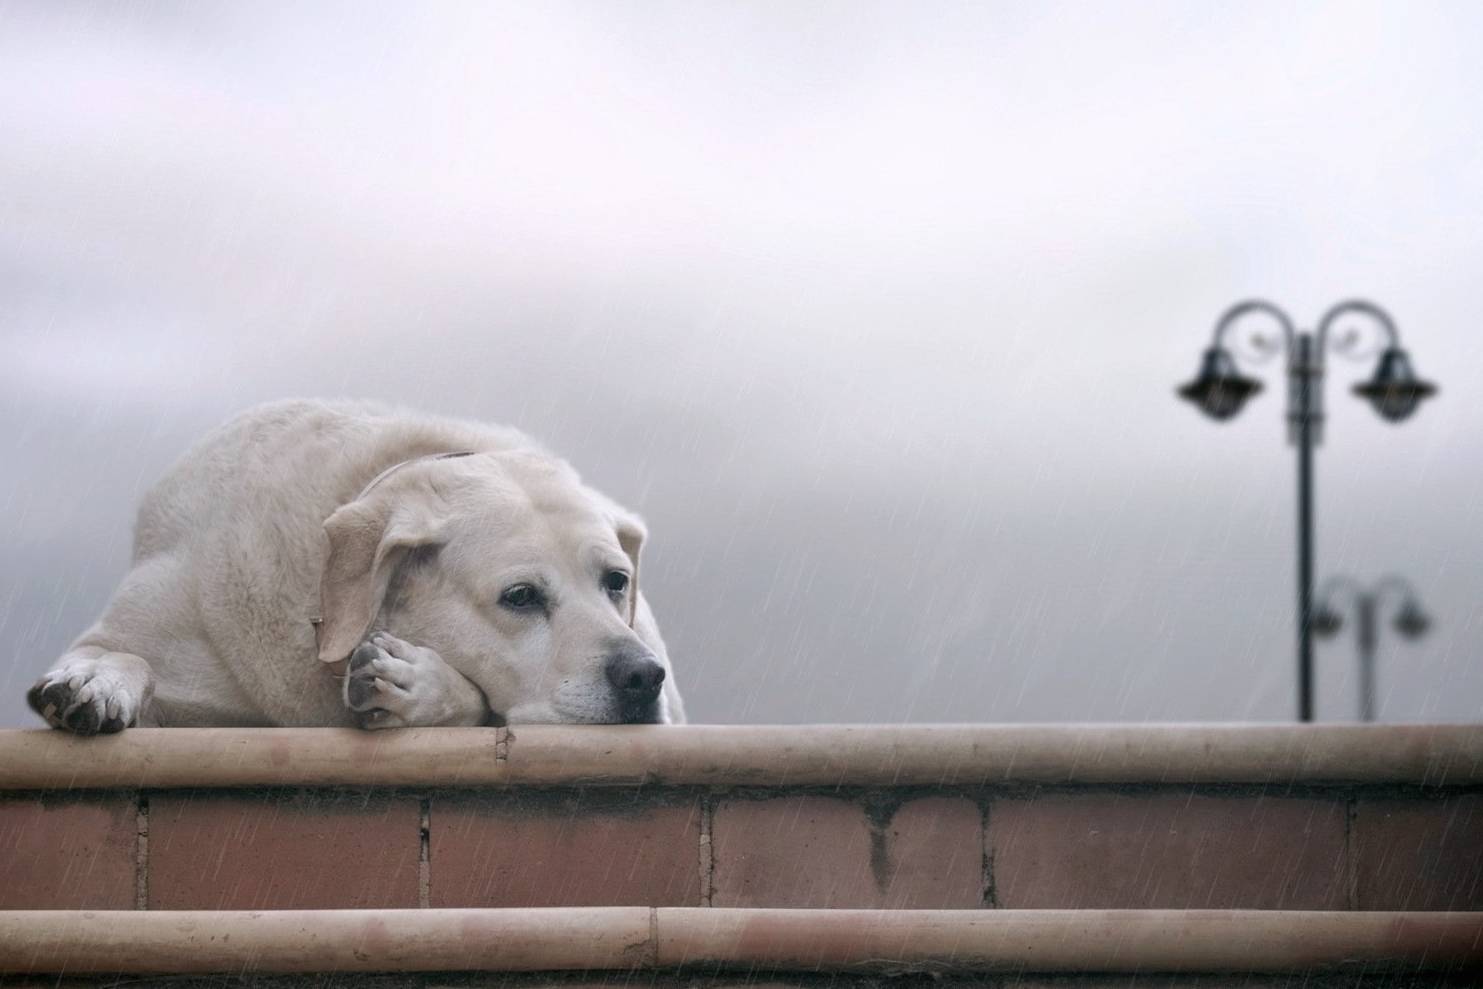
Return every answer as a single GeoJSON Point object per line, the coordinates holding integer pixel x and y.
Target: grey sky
{"type": "Point", "coordinates": [874, 311]}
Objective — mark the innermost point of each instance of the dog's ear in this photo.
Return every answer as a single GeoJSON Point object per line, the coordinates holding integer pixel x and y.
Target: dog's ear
{"type": "Point", "coordinates": [367, 539]}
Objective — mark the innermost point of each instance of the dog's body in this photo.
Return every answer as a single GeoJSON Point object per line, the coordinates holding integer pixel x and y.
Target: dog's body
{"type": "Point", "coordinates": [304, 529]}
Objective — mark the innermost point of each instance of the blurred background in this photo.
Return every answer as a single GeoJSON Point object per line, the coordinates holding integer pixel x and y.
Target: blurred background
{"type": "Point", "coordinates": [874, 312]}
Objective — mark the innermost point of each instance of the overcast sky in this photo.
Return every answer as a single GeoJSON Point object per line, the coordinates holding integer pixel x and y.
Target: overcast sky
{"type": "Point", "coordinates": [874, 311]}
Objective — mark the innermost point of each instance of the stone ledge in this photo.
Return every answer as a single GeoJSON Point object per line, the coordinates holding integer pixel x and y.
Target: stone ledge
{"type": "Point", "coordinates": [1162, 817]}
{"type": "Point", "coordinates": [761, 756]}
{"type": "Point", "coordinates": [636, 939]}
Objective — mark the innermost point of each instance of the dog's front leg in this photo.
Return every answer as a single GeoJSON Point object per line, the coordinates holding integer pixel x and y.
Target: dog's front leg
{"type": "Point", "coordinates": [394, 684]}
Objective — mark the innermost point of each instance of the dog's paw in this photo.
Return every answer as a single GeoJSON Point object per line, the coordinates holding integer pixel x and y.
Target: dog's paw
{"type": "Point", "coordinates": [394, 684]}
{"type": "Point", "coordinates": [87, 697]}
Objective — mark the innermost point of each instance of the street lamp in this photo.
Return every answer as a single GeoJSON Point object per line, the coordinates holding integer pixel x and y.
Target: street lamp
{"type": "Point", "coordinates": [1220, 390]}
{"type": "Point", "coordinates": [1409, 620]}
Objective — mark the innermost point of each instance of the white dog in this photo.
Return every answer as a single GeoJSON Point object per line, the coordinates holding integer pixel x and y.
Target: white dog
{"type": "Point", "coordinates": [315, 563]}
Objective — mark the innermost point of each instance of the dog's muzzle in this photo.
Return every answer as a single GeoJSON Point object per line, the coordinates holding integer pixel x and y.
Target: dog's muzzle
{"type": "Point", "coordinates": [636, 679]}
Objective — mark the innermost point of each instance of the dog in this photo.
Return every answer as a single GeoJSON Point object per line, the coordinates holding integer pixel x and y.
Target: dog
{"type": "Point", "coordinates": [337, 563]}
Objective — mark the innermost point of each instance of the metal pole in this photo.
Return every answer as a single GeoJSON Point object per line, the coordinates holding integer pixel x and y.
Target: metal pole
{"type": "Point", "coordinates": [1366, 605]}
{"type": "Point", "coordinates": [1301, 396]}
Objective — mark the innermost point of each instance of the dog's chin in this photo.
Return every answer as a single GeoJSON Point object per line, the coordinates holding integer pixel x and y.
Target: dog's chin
{"type": "Point", "coordinates": [624, 714]}
{"type": "Point", "coordinates": [642, 714]}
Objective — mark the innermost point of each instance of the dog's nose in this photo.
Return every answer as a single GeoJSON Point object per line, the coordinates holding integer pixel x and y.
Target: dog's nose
{"type": "Point", "coordinates": [635, 676]}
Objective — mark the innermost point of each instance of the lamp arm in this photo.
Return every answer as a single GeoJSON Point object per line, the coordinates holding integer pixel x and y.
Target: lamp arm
{"type": "Point", "coordinates": [1243, 309]}
{"type": "Point", "coordinates": [1328, 594]}
{"type": "Point", "coordinates": [1356, 307]}
{"type": "Point", "coordinates": [1397, 584]}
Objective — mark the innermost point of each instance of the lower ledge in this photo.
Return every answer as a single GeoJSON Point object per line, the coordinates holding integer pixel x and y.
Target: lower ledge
{"type": "Point", "coordinates": [643, 938]}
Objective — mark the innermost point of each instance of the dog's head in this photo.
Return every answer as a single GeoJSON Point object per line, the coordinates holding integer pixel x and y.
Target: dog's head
{"type": "Point", "coordinates": [519, 576]}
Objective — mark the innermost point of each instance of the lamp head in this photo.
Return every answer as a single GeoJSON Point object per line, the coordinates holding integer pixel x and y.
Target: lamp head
{"type": "Point", "coordinates": [1395, 391]}
{"type": "Point", "coordinates": [1411, 622]}
{"type": "Point", "coordinates": [1220, 389]}
{"type": "Point", "coordinates": [1326, 622]}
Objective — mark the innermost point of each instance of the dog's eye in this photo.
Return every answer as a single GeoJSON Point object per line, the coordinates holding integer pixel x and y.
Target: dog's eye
{"type": "Point", "coordinates": [616, 581]}
{"type": "Point", "coordinates": [522, 597]}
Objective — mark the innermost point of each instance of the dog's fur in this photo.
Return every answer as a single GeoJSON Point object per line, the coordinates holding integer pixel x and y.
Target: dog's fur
{"type": "Point", "coordinates": [280, 548]}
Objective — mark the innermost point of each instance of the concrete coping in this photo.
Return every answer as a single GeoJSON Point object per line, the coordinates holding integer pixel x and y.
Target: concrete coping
{"type": "Point", "coordinates": [644, 938]}
{"type": "Point", "coordinates": [750, 756]}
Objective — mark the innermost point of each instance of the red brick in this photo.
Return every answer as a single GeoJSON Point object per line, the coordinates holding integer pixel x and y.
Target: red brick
{"type": "Point", "coordinates": [533, 849]}
{"type": "Point", "coordinates": [1419, 854]}
{"type": "Point", "coordinates": [1177, 851]}
{"type": "Point", "coordinates": [806, 851]}
{"type": "Point", "coordinates": [278, 851]}
{"type": "Point", "coordinates": [68, 852]}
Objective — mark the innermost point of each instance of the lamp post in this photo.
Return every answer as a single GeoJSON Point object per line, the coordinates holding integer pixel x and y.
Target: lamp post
{"type": "Point", "coordinates": [1409, 620]}
{"type": "Point", "coordinates": [1220, 390]}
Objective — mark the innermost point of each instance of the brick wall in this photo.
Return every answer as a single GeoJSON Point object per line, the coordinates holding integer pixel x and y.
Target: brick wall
{"type": "Point", "coordinates": [1137, 846]}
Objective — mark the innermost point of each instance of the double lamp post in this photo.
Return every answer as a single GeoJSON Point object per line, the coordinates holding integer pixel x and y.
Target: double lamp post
{"type": "Point", "coordinates": [1220, 390]}
{"type": "Point", "coordinates": [1408, 619]}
